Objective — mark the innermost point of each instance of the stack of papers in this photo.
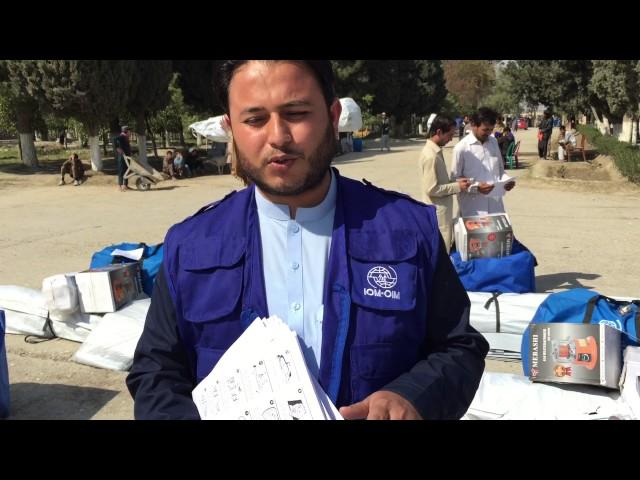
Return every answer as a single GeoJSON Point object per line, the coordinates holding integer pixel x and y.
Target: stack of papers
{"type": "Point", "coordinates": [263, 376]}
{"type": "Point", "coordinates": [498, 187]}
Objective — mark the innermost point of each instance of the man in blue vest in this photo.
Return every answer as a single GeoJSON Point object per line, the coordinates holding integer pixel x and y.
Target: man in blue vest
{"type": "Point", "coordinates": [360, 273]}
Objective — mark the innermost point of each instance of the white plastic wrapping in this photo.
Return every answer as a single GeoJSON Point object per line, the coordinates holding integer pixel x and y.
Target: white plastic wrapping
{"type": "Point", "coordinates": [211, 128]}
{"type": "Point", "coordinates": [350, 117]}
{"type": "Point", "coordinates": [75, 326]}
{"type": "Point", "coordinates": [516, 311]}
{"type": "Point", "coordinates": [112, 343]}
{"type": "Point", "coordinates": [60, 293]}
{"type": "Point", "coordinates": [23, 299]}
{"type": "Point", "coordinates": [504, 396]}
{"type": "Point", "coordinates": [25, 310]}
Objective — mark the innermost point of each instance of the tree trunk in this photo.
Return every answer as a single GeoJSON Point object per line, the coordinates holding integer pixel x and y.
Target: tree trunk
{"type": "Point", "coordinates": [29, 155]}
{"type": "Point", "coordinates": [153, 138]}
{"type": "Point", "coordinates": [105, 140]}
{"type": "Point", "coordinates": [601, 121]}
{"type": "Point", "coordinates": [94, 147]}
{"type": "Point", "coordinates": [28, 148]}
{"type": "Point", "coordinates": [182, 142]}
{"type": "Point", "coordinates": [142, 137]}
{"type": "Point", "coordinates": [165, 138]}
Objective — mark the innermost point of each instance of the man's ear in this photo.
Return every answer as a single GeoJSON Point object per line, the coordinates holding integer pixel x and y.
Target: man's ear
{"type": "Point", "coordinates": [334, 112]}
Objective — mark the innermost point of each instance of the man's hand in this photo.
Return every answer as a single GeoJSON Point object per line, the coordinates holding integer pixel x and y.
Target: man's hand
{"type": "Point", "coordinates": [485, 188]}
{"type": "Point", "coordinates": [381, 405]}
{"type": "Point", "coordinates": [509, 186]}
{"type": "Point", "coordinates": [463, 183]}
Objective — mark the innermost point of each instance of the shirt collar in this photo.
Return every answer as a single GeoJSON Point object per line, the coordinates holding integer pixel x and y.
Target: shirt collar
{"type": "Point", "coordinates": [278, 211]}
{"type": "Point", "coordinates": [473, 139]}
{"type": "Point", "coordinates": [433, 146]}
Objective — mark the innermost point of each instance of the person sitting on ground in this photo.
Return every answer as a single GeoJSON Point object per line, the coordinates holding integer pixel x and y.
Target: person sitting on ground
{"type": "Point", "coordinates": [74, 168]}
{"type": "Point", "coordinates": [566, 144]}
{"type": "Point", "coordinates": [194, 162]}
{"type": "Point", "coordinates": [180, 167]}
{"type": "Point", "coordinates": [167, 164]}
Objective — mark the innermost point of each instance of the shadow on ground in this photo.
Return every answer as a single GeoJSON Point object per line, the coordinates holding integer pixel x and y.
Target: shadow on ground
{"type": "Point", "coordinates": [38, 401]}
{"type": "Point", "coordinates": [565, 281]}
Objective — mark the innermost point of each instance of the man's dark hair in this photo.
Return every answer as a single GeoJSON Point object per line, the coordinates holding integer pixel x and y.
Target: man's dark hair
{"type": "Point", "coordinates": [445, 124]}
{"type": "Point", "coordinates": [506, 129]}
{"type": "Point", "coordinates": [321, 69]}
{"type": "Point", "coordinates": [484, 115]}
{"type": "Point", "coordinates": [562, 127]}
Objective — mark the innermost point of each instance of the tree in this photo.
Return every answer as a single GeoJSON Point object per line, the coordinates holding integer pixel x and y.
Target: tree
{"type": "Point", "coordinates": [406, 87]}
{"type": "Point", "coordinates": [431, 86]}
{"type": "Point", "coordinates": [615, 84]}
{"type": "Point", "coordinates": [91, 91]}
{"type": "Point", "coordinates": [469, 81]}
{"type": "Point", "coordinates": [505, 97]}
{"type": "Point", "coordinates": [18, 100]}
{"type": "Point", "coordinates": [561, 84]}
{"type": "Point", "coordinates": [196, 81]}
{"type": "Point", "coordinates": [149, 94]}
{"type": "Point", "coordinates": [174, 116]}
{"type": "Point", "coordinates": [351, 78]}
{"type": "Point", "coordinates": [7, 111]}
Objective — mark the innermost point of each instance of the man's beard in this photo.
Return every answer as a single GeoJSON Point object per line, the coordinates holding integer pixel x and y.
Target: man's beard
{"type": "Point", "coordinates": [319, 162]}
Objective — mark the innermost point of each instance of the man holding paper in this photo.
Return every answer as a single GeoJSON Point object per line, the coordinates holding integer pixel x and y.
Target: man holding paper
{"type": "Point", "coordinates": [436, 186]}
{"type": "Point", "coordinates": [359, 273]}
{"type": "Point", "coordinates": [477, 156]}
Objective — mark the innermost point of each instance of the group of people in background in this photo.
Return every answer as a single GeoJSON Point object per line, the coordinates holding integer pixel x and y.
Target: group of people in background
{"type": "Point", "coordinates": [177, 165]}
{"type": "Point", "coordinates": [477, 164]}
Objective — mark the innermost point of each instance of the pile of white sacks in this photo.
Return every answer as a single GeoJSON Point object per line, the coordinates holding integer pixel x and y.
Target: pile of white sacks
{"type": "Point", "coordinates": [502, 320]}
{"type": "Point", "coordinates": [108, 341]}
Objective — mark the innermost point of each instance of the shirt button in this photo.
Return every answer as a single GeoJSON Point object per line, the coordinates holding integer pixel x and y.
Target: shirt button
{"type": "Point", "coordinates": [295, 265]}
{"type": "Point", "coordinates": [296, 306]}
{"type": "Point", "coordinates": [295, 228]}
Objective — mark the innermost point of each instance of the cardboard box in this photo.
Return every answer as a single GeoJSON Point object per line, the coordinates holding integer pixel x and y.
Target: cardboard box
{"type": "Point", "coordinates": [484, 236]}
{"type": "Point", "coordinates": [585, 353]}
{"type": "Point", "coordinates": [106, 289]}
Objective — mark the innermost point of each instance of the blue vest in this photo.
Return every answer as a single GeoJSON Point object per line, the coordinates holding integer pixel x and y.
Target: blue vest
{"type": "Point", "coordinates": [384, 250]}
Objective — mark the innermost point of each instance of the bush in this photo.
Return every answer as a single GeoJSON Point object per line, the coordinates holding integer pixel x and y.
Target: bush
{"type": "Point", "coordinates": [626, 156]}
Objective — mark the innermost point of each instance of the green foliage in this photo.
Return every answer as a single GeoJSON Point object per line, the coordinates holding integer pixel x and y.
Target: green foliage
{"type": "Point", "coordinates": [177, 115]}
{"type": "Point", "coordinates": [196, 82]}
{"type": "Point", "coordinates": [398, 87]}
{"type": "Point", "coordinates": [7, 113]}
{"type": "Point", "coordinates": [17, 97]}
{"type": "Point", "coordinates": [469, 81]}
{"type": "Point", "coordinates": [451, 107]}
{"type": "Point", "coordinates": [504, 98]}
{"type": "Point", "coordinates": [575, 86]}
{"type": "Point", "coordinates": [91, 91]}
{"type": "Point", "coordinates": [150, 92]}
{"type": "Point", "coordinates": [615, 82]}
{"type": "Point", "coordinates": [626, 157]}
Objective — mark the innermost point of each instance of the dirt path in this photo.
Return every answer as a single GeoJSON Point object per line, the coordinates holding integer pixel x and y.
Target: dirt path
{"type": "Point", "coordinates": [582, 233]}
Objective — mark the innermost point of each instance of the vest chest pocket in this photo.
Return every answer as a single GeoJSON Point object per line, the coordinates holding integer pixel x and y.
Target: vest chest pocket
{"type": "Point", "coordinates": [210, 280]}
{"type": "Point", "coordinates": [383, 269]}
{"type": "Point", "coordinates": [207, 359]}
